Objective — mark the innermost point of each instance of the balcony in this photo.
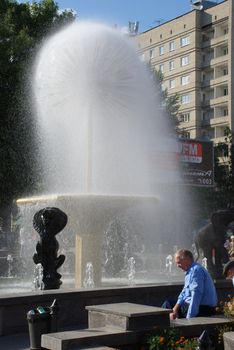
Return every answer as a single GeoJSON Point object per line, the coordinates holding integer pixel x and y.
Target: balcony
{"type": "Point", "coordinates": [219, 60]}
{"type": "Point", "coordinates": [219, 121]}
{"type": "Point", "coordinates": [222, 39]}
{"type": "Point", "coordinates": [205, 122]}
{"type": "Point", "coordinates": [206, 103]}
{"type": "Point", "coordinates": [215, 81]}
{"type": "Point", "coordinates": [206, 82]}
{"type": "Point", "coordinates": [219, 80]}
{"type": "Point", "coordinates": [219, 100]}
{"type": "Point", "coordinates": [218, 139]}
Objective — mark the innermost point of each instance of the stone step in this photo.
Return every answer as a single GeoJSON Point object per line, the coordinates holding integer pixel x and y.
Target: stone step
{"type": "Point", "coordinates": [193, 327]}
{"type": "Point", "coordinates": [228, 339]}
{"type": "Point", "coordinates": [130, 323]}
{"type": "Point", "coordinates": [92, 337]}
{"type": "Point", "coordinates": [127, 316]}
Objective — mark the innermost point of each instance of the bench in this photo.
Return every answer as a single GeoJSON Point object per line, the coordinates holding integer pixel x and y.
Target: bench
{"type": "Point", "coordinates": [193, 327]}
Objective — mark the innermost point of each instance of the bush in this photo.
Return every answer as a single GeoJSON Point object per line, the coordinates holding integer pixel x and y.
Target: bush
{"type": "Point", "coordinates": [170, 339]}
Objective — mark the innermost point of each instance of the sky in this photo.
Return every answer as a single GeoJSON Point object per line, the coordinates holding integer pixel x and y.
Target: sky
{"type": "Point", "coordinates": [120, 12]}
{"type": "Point", "coordinates": [149, 13]}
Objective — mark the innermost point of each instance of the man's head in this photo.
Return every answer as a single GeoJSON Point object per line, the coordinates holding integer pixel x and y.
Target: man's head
{"type": "Point", "coordinates": [183, 259]}
{"type": "Point", "coordinates": [228, 270]}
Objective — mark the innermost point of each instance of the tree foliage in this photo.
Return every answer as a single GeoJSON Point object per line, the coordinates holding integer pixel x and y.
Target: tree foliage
{"type": "Point", "coordinates": [224, 167]}
{"type": "Point", "coordinates": [170, 102]}
{"type": "Point", "coordinates": [23, 26]}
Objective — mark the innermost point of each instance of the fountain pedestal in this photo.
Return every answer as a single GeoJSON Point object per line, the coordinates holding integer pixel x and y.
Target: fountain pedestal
{"type": "Point", "coordinates": [88, 219]}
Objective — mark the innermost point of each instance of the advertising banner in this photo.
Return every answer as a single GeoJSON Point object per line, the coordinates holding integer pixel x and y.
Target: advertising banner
{"type": "Point", "coordinates": [197, 162]}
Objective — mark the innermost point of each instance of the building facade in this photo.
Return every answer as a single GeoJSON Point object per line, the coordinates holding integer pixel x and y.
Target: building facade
{"type": "Point", "coordinates": [195, 54]}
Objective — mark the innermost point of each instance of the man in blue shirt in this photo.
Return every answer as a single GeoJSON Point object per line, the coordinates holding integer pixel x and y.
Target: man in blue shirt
{"type": "Point", "coordinates": [198, 297]}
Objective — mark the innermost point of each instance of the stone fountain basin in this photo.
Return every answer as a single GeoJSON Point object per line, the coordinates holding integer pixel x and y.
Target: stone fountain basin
{"type": "Point", "coordinates": [89, 214]}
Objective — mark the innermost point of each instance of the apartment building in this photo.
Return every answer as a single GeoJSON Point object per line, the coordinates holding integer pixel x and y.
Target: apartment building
{"type": "Point", "coordinates": [195, 54]}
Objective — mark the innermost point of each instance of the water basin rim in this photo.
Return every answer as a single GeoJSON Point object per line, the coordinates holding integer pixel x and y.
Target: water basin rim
{"type": "Point", "coordinates": [43, 198]}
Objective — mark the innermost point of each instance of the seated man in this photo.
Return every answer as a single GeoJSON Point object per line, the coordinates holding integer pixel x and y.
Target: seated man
{"type": "Point", "coordinates": [198, 297]}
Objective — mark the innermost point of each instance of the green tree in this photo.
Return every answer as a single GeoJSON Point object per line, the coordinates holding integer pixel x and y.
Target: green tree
{"type": "Point", "coordinates": [23, 26]}
{"type": "Point", "coordinates": [224, 167]}
{"type": "Point", "coordinates": [170, 102]}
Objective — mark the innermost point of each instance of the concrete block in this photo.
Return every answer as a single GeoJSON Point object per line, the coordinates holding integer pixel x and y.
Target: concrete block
{"type": "Point", "coordinates": [127, 316]}
{"type": "Point", "coordinates": [193, 327]}
{"type": "Point", "coordinates": [90, 338]}
{"type": "Point", "coordinates": [228, 339]}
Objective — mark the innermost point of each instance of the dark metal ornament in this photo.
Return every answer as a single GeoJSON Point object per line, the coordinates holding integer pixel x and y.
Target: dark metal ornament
{"type": "Point", "coordinates": [48, 222]}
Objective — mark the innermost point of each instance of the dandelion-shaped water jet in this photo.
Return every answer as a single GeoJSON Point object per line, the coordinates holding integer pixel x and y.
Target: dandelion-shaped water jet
{"type": "Point", "coordinates": [106, 144]}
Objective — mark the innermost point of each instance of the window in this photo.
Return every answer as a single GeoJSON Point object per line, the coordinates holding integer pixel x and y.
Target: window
{"type": "Point", "coordinates": [185, 99]}
{"type": "Point", "coordinates": [151, 53]}
{"type": "Point", "coordinates": [185, 118]}
{"type": "Point", "coordinates": [225, 112]}
{"type": "Point", "coordinates": [172, 83]}
{"type": "Point", "coordinates": [172, 46]}
{"type": "Point", "coordinates": [184, 60]}
{"type": "Point", "coordinates": [225, 91]}
{"type": "Point", "coordinates": [161, 50]}
{"type": "Point", "coordinates": [225, 31]}
{"type": "Point", "coordinates": [161, 67]}
{"type": "Point", "coordinates": [185, 41]}
{"type": "Point", "coordinates": [185, 80]}
{"type": "Point", "coordinates": [225, 51]}
{"type": "Point", "coordinates": [225, 71]}
{"type": "Point", "coordinates": [171, 65]}
{"type": "Point", "coordinates": [186, 134]}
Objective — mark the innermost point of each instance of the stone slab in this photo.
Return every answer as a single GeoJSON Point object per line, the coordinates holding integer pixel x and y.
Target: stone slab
{"type": "Point", "coordinates": [128, 309]}
{"type": "Point", "coordinates": [228, 339]}
{"type": "Point", "coordinates": [89, 338]}
{"type": "Point", "coordinates": [193, 327]}
{"type": "Point", "coordinates": [127, 316]}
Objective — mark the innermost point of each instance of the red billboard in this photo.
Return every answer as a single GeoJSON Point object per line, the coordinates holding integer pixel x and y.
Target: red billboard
{"type": "Point", "coordinates": [197, 162]}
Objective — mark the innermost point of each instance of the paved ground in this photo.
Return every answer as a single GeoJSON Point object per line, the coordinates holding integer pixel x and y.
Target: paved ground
{"type": "Point", "coordinates": [15, 342]}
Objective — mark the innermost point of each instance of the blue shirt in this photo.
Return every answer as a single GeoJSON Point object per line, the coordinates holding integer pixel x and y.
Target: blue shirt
{"type": "Point", "coordinates": [198, 289]}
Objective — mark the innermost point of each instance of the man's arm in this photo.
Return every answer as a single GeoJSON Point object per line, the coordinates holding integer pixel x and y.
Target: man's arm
{"type": "Point", "coordinates": [175, 314]}
{"type": "Point", "coordinates": [197, 288]}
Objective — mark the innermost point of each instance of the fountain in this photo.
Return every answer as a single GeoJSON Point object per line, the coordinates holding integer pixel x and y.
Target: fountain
{"type": "Point", "coordinates": [110, 159]}
{"type": "Point", "coordinates": [131, 270]}
{"type": "Point", "coordinates": [88, 281]}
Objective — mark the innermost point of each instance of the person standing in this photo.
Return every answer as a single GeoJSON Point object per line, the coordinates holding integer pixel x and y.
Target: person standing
{"type": "Point", "coordinates": [198, 296]}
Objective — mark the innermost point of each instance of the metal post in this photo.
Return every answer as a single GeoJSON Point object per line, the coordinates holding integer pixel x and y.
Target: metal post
{"type": "Point", "coordinates": [204, 341]}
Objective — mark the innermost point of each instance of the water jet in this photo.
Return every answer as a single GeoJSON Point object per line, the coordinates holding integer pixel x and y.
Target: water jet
{"type": "Point", "coordinates": [109, 155]}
